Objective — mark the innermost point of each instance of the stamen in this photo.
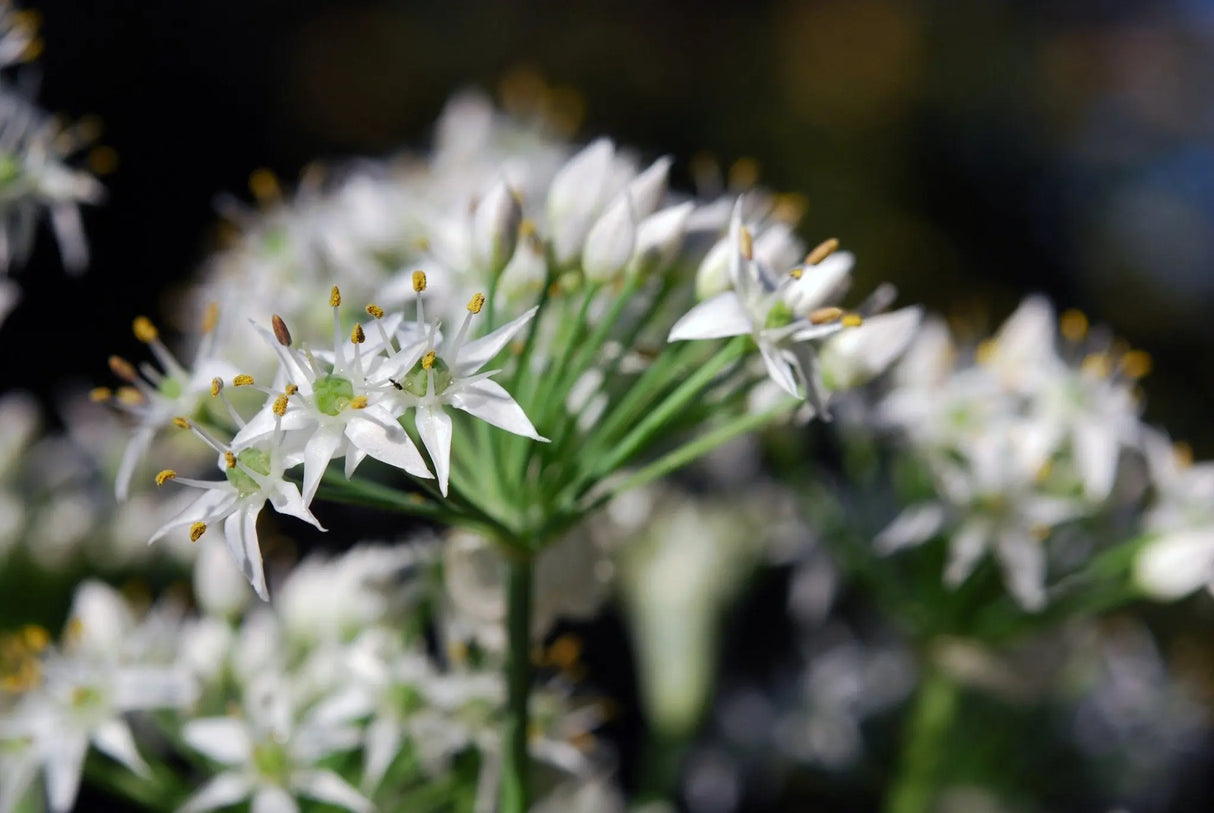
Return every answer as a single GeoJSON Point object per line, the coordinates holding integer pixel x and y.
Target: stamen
{"type": "Point", "coordinates": [823, 315]}
{"type": "Point", "coordinates": [822, 251]}
{"type": "Point", "coordinates": [182, 423]}
{"type": "Point", "coordinates": [290, 389]}
{"type": "Point", "coordinates": [357, 335]}
{"type": "Point", "coordinates": [123, 369]}
{"type": "Point", "coordinates": [746, 243]}
{"type": "Point", "coordinates": [428, 360]}
{"type": "Point", "coordinates": [852, 320]}
{"type": "Point", "coordinates": [144, 330]}
{"type": "Point", "coordinates": [335, 297]}
{"type": "Point", "coordinates": [1073, 325]}
{"type": "Point", "coordinates": [197, 530]}
{"type": "Point", "coordinates": [216, 386]}
{"type": "Point", "coordinates": [358, 402]}
{"type": "Point", "coordinates": [100, 394]}
{"type": "Point", "coordinates": [229, 459]}
{"type": "Point", "coordinates": [1135, 364]}
{"type": "Point", "coordinates": [130, 396]}
{"type": "Point", "coordinates": [36, 638]}
{"type": "Point", "coordinates": [1183, 453]}
{"type": "Point", "coordinates": [280, 406]}
{"type": "Point", "coordinates": [264, 186]}
{"type": "Point", "coordinates": [526, 228]}
{"type": "Point", "coordinates": [985, 351]}
{"type": "Point", "coordinates": [419, 281]}
{"type": "Point", "coordinates": [375, 311]}
{"type": "Point", "coordinates": [242, 380]}
{"type": "Point", "coordinates": [797, 272]}
{"type": "Point", "coordinates": [210, 317]}
{"type": "Point", "coordinates": [164, 476]}
{"type": "Point", "coordinates": [280, 330]}
{"type": "Point", "coordinates": [1096, 364]}
{"type": "Point", "coordinates": [476, 303]}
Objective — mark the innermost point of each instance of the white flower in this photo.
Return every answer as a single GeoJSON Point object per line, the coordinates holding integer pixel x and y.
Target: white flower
{"type": "Point", "coordinates": [253, 476]}
{"type": "Point", "coordinates": [1180, 559]}
{"type": "Point", "coordinates": [430, 377]}
{"type": "Point", "coordinates": [495, 224]}
{"type": "Point", "coordinates": [851, 358]}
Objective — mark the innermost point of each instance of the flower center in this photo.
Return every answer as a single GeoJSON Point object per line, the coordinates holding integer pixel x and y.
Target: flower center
{"type": "Point", "coordinates": [170, 387]}
{"type": "Point", "coordinates": [416, 381]}
{"type": "Point", "coordinates": [333, 394]}
{"type": "Point", "coordinates": [270, 759]}
{"type": "Point", "coordinates": [780, 315]}
{"type": "Point", "coordinates": [253, 460]}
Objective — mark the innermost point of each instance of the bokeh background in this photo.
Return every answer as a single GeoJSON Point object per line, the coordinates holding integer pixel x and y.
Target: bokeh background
{"type": "Point", "coordinates": [970, 152]}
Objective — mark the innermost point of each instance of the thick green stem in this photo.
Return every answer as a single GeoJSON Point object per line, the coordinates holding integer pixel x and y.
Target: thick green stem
{"type": "Point", "coordinates": [515, 766]}
{"type": "Point", "coordinates": [924, 742]}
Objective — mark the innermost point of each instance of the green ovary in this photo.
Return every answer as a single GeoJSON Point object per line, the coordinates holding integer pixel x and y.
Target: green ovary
{"type": "Point", "coordinates": [10, 170]}
{"type": "Point", "coordinates": [271, 760]}
{"type": "Point", "coordinates": [170, 387]}
{"type": "Point", "coordinates": [416, 380]}
{"type": "Point", "coordinates": [780, 315]}
{"type": "Point", "coordinates": [254, 460]}
{"type": "Point", "coordinates": [333, 394]}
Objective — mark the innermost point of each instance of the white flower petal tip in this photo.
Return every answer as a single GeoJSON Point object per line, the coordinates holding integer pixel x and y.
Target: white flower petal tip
{"type": "Point", "coordinates": [720, 317]}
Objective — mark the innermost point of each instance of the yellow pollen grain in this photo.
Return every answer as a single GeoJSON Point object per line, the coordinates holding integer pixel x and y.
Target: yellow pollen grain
{"type": "Point", "coordinates": [1073, 325]}
{"type": "Point", "coordinates": [358, 402]}
{"type": "Point", "coordinates": [1135, 364]}
{"type": "Point", "coordinates": [375, 311]}
{"type": "Point", "coordinates": [280, 406]}
{"type": "Point", "coordinates": [100, 394]}
{"type": "Point", "coordinates": [823, 315]}
{"type": "Point", "coordinates": [851, 320]}
{"type": "Point", "coordinates": [164, 476]}
{"type": "Point", "coordinates": [1096, 364]}
{"type": "Point", "coordinates": [210, 317]}
{"type": "Point", "coordinates": [335, 297]}
{"type": "Point", "coordinates": [290, 389]}
{"type": "Point", "coordinates": [746, 243]}
{"type": "Point", "coordinates": [419, 281]}
{"type": "Point", "coordinates": [197, 530]}
{"type": "Point", "coordinates": [123, 368]}
{"type": "Point", "coordinates": [216, 386]}
{"type": "Point", "coordinates": [36, 638]}
{"type": "Point", "coordinates": [242, 380]}
{"type": "Point", "coordinates": [428, 360]}
{"type": "Point", "coordinates": [181, 423]}
{"type": "Point", "coordinates": [229, 460]}
{"type": "Point", "coordinates": [476, 303]}
{"type": "Point", "coordinates": [822, 251]}
{"type": "Point", "coordinates": [280, 330]}
{"type": "Point", "coordinates": [357, 335]}
{"type": "Point", "coordinates": [145, 331]}
{"type": "Point", "coordinates": [264, 185]}
{"type": "Point", "coordinates": [130, 396]}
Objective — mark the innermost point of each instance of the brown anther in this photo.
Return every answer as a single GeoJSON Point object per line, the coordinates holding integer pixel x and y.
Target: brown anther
{"type": "Point", "coordinates": [476, 303]}
{"type": "Point", "coordinates": [1073, 325]}
{"type": "Point", "coordinates": [419, 281]}
{"type": "Point", "coordinates": [197, 530]}
{"type": "Point", "coordinates": [181, 422]}
{"type": "Point", "coordinates": [1096, 364]}
{"type": "Point", "coordinates": [358, 402]}
{"type": "Point", "coordinates": [822, 251]}
{"type": "Point", "coordinates": [851, 320]}
{"type": "Point", "coordinates": [357, 335]}
{"type": "Point", "coordinates": [334, 297]}
{"type": "Point", "coordinates": [264, 185]}
{"type": "Point", "coordinates": [210, 317]}
{"type": "Point", "coordinates": [1135, 364]}
{"type": "Point", "coordinates": [280, 330]}
{"type": "Point", "coordinates": [130, 396]}
{"type": "Point", "coordinates": [375, 311]}
{"type": "Point", "coordinates": [823, 315]}
{"type": "Point", "coordinates": [229, 459]}
{"type": "Point", "coordinates": [280, 406]}
{"type": "Point", "coordinates": [100, 394]}
{"type": "Point", "coordinates": [144, 330]}
{"type": "Point", "coordinates": [985, 351]}
{"type": "Point", "coordinates": [290, 389]}
{"type": "Point", "coordinates": [36, 638]}
{"type": "Point", "coordinates": [242, 380]}
{"type": "Point", "coordinates": [744, 173]}
{"type": "Point", "coordinates": [746, 243]}
{"type": "Point", "coordinates": [216, 386]}
{"type": "Point", "coordinates": [123, 369]}
{"type": "Point", "coordinates": [164, 476]}
{"type": "Point", "coordinates": [428, 360]}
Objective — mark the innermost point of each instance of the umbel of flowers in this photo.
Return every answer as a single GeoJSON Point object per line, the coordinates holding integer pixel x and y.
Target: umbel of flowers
{"type": "Point", "coordinates": [533, 338]}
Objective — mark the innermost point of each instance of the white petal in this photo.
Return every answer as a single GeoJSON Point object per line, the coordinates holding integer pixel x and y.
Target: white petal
{"type": "Point", "coordinates": [855, 355]}
{"type": "Point", "coordinates": [224, 790]}
{"type": "Point", "coordinates": [326, 786]}
{"type": "Point", "coordinates": [914, 526]}
{"type": "Point", "coordinates": [223, 739]}
{"type": "Point", "coordinates": [716, 318]}
{"type": "Point", "coordinates": [135, 450]}
{"type": "Point", "coordinates": [965, 549]}
{"type": "Point", "coordinates": [1096, 452]}
{"type": "Point", "coordinates": [780, 368]}
{"type": "Point", "coordinates": [380, 436]}
{"type": "Point", "coordinates": [63, 762]}
{"type": "Point", "coordinates": [659, 237]}
{"type": "Point", "coordinates": [286, 500]}
{"type": "Point", "coordinates": [648, 190]}
{"type": "Point", "coordinates": [495, 225]}
{"type": "Point", "coordinates": [383, 738]}
{"type": "Point", "coordinates": [273, 800]}
{"type": "Point", "coordinates": [354, 456]}
{"type": "Point", "coordinates": [610, 241]}
{"type": "Point", "coordinates": [573, 197]}
{"type": "Point", "coordinates": [434, 426]}
{"type": "Point", "coordinates": [488, 401]}
{"type": "Point", "coordinates": [318, 451]}
{"type": "Point", "coordinates": [210, 506]}
{"type": "Point", "coordinates": [820, 284]}
{"type": "Point", "coordinates": [152, 687]}
{"type": "Point", "coordinates": [1177, 563]}
{"type": "Point", "coordinates": [240, 531]}
{"type": "Point", "coordinates": [1023, 559]}
{"type": "Point", "coordinates": [477, 353]}
{"type": "Point", "coordinates": [114, 739]}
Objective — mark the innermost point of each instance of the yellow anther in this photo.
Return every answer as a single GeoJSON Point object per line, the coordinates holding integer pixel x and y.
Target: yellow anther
{"type": "Point", "coordinates": [264, 185]}
{"type": "Point", "coordinates": [358, 402]}
{"type": "Point", "coordinates": [797, 272]}
{"type": "Point", "coordinates": [100, 394]}
{"type": "Point", "coordinates": [357, 335]}
{"type": "Point", "coordinates": [197, 530]}
{"type": "Point", "coordinates": [985, 351]}
{"type": "Point", "coordinates": [1040, 531]}
{"type": "Point", "coordinates": [823, 315]}
{"type": "Point", "coordinates": [1073, 325]}
{"type": "Point", "coordinates": [130, 396]}
{"type": "Point", "coordinates": [746, 243]}
{"type": "Point", "coordinates": [335, 297]}
{"type": "Point", "coordinates": [419, 281]}
{"type": "Point", "coordinates": [123, 369]}
{"type": "Point", "coordinates": [280, 406]}
{"type": "Point", "coordinates": [229, 459]}
{"type": "Point", "coordinates": [216, 386]}
{"type": "Point", "coordinates": [1096, 364]}
{"type": "Point", "coordinates": [565, 651]}
{"type": "Point", "coordinates": [851, 320]}
{"type": "Point", "coordinates": [280, 330]}
{"type": "Point", "coordinates": [428, 360]}
{"type": "Point", "coordinates": [102, 159]}
{"type": "Point", "coordinates": [1135, 364]}
{"type": "Point", "coordinates": [526, 228]}
{"type": "Point", "coordinates": [789, 207]}
{"type": "Point", "coordinates": [145, 331]}
{"type": "Point", "coordinates": [36, 638]}
{"type": "Point", "coordinates": [476, 303]}
{"type": "Point", "coordinates": [421, 243]}
{"type": "Point", "coordinates": [744, 173]}
{"type": "Point", "coordinates": [1183, 453]}
{"type": "Point", "coordinates": [210, 317]}
{"type": "Point", "coordinates": [375, 311]}
{"type": "Point", "coordinates": [242, 380]}
{"type": "Point", "coordinates": [822, 251]}
{"type": "Point", "coordinates": [290, 389]}
{"type": "Point", "coordinates": [181, 423]}
{"type": "Point", "coordinates": [164, 476]}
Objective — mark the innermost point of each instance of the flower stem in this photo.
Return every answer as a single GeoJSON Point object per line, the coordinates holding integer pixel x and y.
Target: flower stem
{"type": "Point", "coordinates": [924, 742]}
{"type": "Point", "coordinates": [515, 765]}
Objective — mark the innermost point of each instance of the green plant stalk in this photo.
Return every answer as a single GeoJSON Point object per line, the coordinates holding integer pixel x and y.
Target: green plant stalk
{"type": "Point", "coordinates": [924, 739]}
{"type": "Point", "coordinates": [515, 787]}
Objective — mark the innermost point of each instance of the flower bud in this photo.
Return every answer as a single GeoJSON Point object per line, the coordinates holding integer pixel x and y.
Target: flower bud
{"type": "Point", "coordinates": [574, 197]}
{"type": "Point", "coordinates": [495, 223]}
{"type": "Point", "coordinates": [854, 356]}
{"type": "Point", "coordinates": [648, 189]}
{"type": "Point", "coordinates": [659, 237]}
{"type": "Point", "coordinates": [610, 242]}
